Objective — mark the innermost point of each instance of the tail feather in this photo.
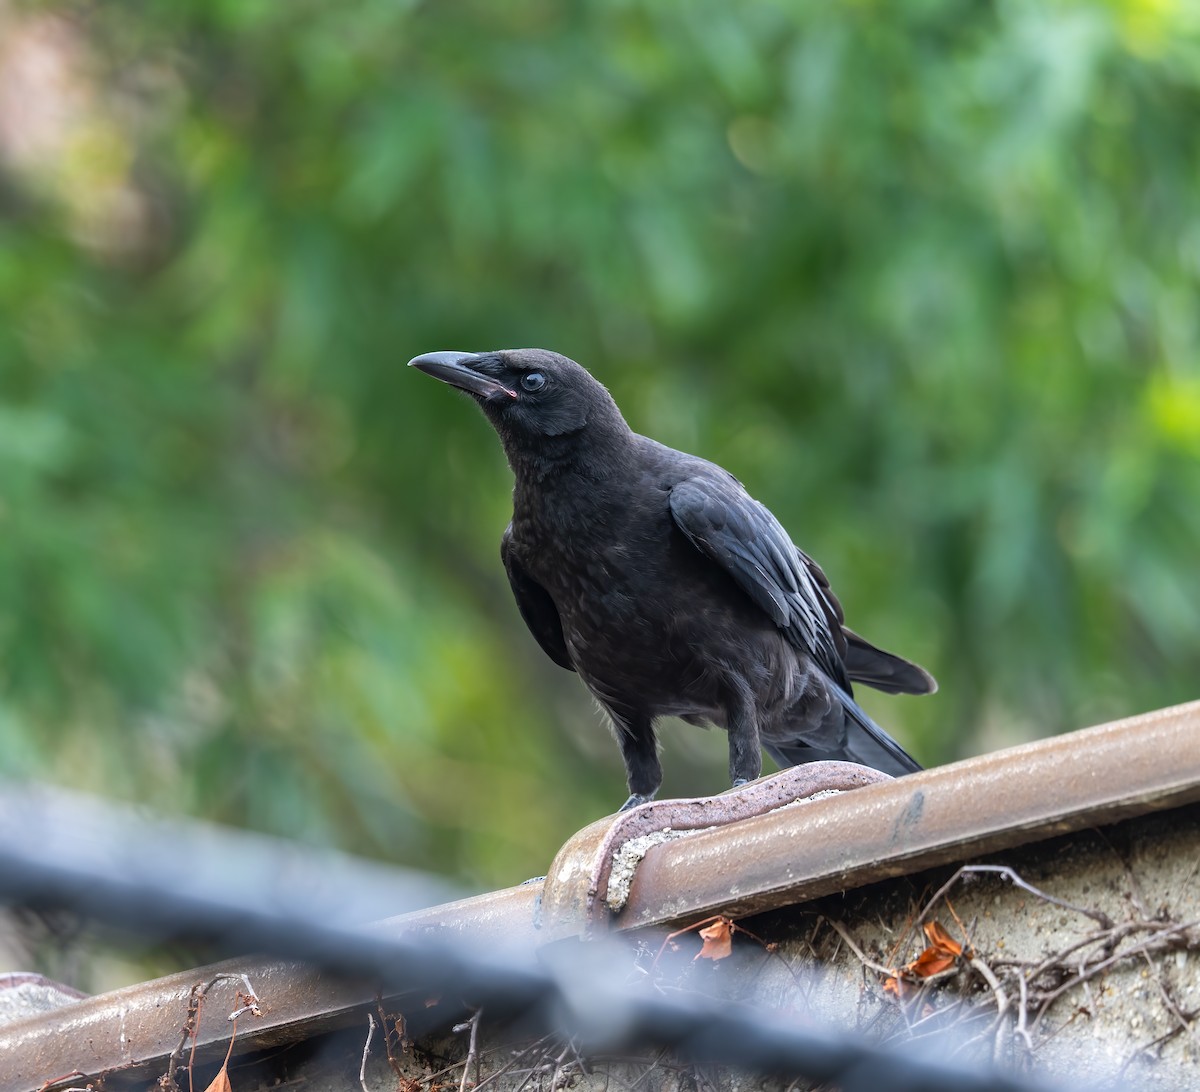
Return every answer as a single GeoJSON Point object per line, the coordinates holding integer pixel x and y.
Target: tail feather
{"type": "Point", "coordinates": [884, 670]}
{"type": "Point", "coordinates": [865, 743]}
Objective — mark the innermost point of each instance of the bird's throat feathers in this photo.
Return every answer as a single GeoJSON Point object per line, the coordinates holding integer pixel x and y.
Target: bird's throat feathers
{"type": "Point", "coordinates": [591, 454]}
{"type": "Point", "coordinates": [580, 435]}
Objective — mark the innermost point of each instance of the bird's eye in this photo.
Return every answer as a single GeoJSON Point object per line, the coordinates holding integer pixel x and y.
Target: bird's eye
{"type": "Point", "coordinates": [533, 381]}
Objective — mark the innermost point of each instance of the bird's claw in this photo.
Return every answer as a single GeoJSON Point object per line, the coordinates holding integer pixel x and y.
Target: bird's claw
{"type": "Point", "coordinates": [635, 799]}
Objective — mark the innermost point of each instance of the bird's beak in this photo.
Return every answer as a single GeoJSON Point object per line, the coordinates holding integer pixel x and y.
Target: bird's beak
{"type": "Point", "coordinates": [455, 369]}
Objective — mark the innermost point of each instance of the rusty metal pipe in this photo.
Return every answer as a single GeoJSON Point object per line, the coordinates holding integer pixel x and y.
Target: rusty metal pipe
{"type": "Point", "coordinates": [139, 1026]}
{"type": "Point", "coordinates": [981, 805]}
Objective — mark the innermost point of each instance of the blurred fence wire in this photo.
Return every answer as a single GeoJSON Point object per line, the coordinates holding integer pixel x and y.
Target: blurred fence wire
{"type": "Point", "coordinates": [170, 880]}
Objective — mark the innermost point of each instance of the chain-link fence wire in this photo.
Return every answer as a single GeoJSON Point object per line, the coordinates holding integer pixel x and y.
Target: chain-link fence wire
{"type": "Point", "coordinates": [169, 880]}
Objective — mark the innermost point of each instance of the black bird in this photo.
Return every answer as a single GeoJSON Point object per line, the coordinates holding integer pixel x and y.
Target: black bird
{"type": "Point", "coordinates": [666, 586]}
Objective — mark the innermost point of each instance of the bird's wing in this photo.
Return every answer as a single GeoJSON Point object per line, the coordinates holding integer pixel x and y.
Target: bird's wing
{"type": "Point", "coordinates": [724, 522]}
{"type": "Point", "coordinates": [535, 605]}
{"type": "Point", "coordinates": [822, 582]}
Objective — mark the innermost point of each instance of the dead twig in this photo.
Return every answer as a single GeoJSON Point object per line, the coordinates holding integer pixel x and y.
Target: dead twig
{"type": "Point", "coordinates": [1160, 942]}
{"type": "Point", "coordinates": [362, 1069]}
{"type": "Point", "coordinates": [867, 962]}
{"type": "Point", "coordinates": [986, 973]}
{"type": "Point", "coordinates": [1166, 1037]}
{"type": "Point", "coordinates": [1013, 877]}
{"type": "Point", "coordinates": [401, 1033]}
{"type": "Point", "coordinates": [472, 1053]}
{"type": "Point", "coordinates": [248, 1002]}
{"type": "Point", "coordinates": [1037, 985]}
{"type": "Point", "coordinates": [1185, 1022]}
{"type": "Point", "coordinates": [558, 1061]}
{"type": "Point", "coordinates": [1023, 1013]}
{"type": "Point", "coordinates": [512, 1062]}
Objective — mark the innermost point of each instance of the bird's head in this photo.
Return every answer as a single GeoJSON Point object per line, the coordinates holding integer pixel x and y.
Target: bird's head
{"type": "Point", "coordinates": [531, 396]}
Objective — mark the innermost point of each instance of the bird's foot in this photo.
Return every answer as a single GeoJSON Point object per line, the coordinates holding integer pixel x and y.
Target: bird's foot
{"type": "Point", "coordinates": [740, 781]}
{"type": "Point", "coordinates": [635, 799]}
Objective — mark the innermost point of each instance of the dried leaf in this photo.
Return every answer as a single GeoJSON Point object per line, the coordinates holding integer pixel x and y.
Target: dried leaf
{"type": "Point", "coordinates": [941, 940]}
{"type": "Point", "coordinates": [940, 956]}
{"type": "Point", "coordinates": [718, 940]}
{"type": "Point", "coordinates": [220, 1083]}
{"type": "Point", "coordinates": [929, 963]}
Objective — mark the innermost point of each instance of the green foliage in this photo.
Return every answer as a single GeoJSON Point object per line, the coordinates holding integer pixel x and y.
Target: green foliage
{"type": "Point", "coordinates": [924, 276]}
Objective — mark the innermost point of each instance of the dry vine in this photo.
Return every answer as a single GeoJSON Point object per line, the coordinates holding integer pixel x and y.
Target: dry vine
{"type": "Point", "coordinates": [548, 1064]}
{"type": "Point", "coordinates": [1000, 1004]}
{"type": "Point", "coordinates": [1022, 992]}
{"type": "Point", "coordinates": [247, 1002]}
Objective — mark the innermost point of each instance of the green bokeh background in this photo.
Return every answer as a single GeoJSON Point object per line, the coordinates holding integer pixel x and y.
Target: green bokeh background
{"type": "Point", "coordinates": [924, 276]}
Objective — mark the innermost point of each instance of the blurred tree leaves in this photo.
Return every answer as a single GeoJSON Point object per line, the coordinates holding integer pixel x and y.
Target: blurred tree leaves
{"type": "Point", "coordinates": [924, 277]}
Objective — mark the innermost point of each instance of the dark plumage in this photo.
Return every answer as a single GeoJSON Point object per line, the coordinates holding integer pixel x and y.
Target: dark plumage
{"type": "Point", "coordinates": [666, 586]}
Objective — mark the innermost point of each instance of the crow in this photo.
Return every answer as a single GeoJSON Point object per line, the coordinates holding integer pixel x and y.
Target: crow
{"type": "Point", "coordinates": [666, 586]}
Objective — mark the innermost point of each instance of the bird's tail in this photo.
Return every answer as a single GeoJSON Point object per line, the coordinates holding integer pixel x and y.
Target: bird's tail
{"type": "Point", "coordinates": [865, 663]}
{"type": "Point", "coordinates": [865, 743]}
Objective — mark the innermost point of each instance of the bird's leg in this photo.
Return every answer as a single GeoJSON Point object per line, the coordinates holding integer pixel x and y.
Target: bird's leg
{"type": "Point", "coordinates": [745, 748]}
{"type": "Point", "coordinates": [643, 773]}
